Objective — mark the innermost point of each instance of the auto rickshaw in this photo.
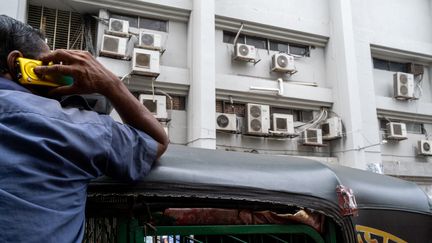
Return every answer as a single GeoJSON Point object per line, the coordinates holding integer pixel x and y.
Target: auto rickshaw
{"type": "Point", "coordinates": [201, 195]}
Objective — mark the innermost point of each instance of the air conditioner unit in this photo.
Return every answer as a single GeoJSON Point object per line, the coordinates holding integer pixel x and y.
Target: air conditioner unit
{"type": "Point", "coordinates": [113, 46]}
{"type": "Point", "coordinates": [282, 124]}
{"type": "Point", "coordinates": [226, 122]}
{"type": "Point", "coordinates": [155, 104]}
{"type": "Point", "coordinates": [258, 119]}
{"type": "Point", "coordinates": [244, 52]}
{"type": "Point", "coordinates": [331, 128]}
{"type": "Point", "coordinates": [145, 62]}
{"type": "Point", "coordinates": [282, 62]}
{"type": "Point", "coordinates": [149, 40]}
{"type": "Point", "coordinates": [312, 136]}
{"type": "Point", "coordinates": [424, 147]}
{"type": "Point", "coordinates": [118, 26]}
{"type": "Point", "coordinates": [396, 131]}
{"type": "Point", "coordinates": [403, 86]}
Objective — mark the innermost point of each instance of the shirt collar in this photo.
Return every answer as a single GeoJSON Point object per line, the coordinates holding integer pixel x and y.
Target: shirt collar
{"type": "Point", "coordinates": [11, 85]}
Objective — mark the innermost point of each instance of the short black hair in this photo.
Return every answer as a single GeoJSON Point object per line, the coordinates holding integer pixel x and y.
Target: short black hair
{"type": "Point", "coordinates": [15, 35]}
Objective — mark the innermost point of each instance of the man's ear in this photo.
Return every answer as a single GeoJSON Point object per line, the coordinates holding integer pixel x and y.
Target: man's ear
{"type": "Point", "coordinates": [11, 63]}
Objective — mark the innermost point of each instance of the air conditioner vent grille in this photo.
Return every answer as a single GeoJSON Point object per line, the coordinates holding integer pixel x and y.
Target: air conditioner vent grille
{"type": "Point", "coordinates": [222, 121]}
{"type": "Point", "coordinates": [255, 125]}
{"type": "Point", "coordinates": [243, 50]}
{"type": "Point", "coordinates": [281, 124]}
{"type": "Point", "coordinates": [282, 61]}
{"type": "Point", "coordinates": [111, 44]}
{"type": "Point", "coordinates": [312, 136]}
{"type": "Point", "coordinates": [255, 111]}
{"type": "Point", "coordinates": [143, 60]}
{"type": "Point", "coordinates": [397, 129]}
{"type": "Point", "coordinates": [147, 39]}
{"type": "Point", "coordinates": [151, 106]}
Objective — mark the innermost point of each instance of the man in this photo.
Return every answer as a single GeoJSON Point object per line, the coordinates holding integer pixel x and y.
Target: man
{"type": "Point", "coordinates": [48, 154]}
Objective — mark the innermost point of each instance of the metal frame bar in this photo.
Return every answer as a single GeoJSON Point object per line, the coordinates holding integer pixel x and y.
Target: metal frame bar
{"type": "Point", "coordinates": [238, 230]}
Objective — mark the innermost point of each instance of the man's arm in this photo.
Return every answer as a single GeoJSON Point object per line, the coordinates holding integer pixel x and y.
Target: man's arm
{"type": "Point", "coordinates": [91, 77]}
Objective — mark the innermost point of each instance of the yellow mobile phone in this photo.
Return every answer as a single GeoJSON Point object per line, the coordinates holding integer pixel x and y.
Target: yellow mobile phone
{"type": "Point", "coordinates": [27, 76]}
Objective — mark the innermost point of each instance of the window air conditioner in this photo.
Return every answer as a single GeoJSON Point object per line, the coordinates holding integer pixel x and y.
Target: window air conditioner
{"type": "Point", "coordinates": [396, 131]}
{"type": "Point", "coordinates": [226, 122]}
{"type": "Point", "coordinates": [312, 136]}
{"type": "Point", "coordinates": [149, 40]}
{"type": "Point", "coordinates": [244, 52]}
{"type": "Point", "coordinates": [145, 62]}
{"type": "Point", "coordinates": [118, 26]}
{"type": "Point", "coordinates": [424, 147]}
{"type": "Point", "coordinates": [403, 86]}
{"type": "Point", "coordinates": [282, 62]}
{"type": "Point", "coordinates": [155, 104]}
{"type": "Point", "coordinates": [282, 124]}
{"type": "Point", "coordinates": [331, 128]}
{"type": "Point", "coordinates": [258, 119]}
{"type": "Point", "coordinates": [114, 46]}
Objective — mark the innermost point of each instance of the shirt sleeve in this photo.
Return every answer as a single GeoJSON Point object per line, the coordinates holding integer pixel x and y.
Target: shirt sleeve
{"type": "Point", "coordinates": [130, 154]}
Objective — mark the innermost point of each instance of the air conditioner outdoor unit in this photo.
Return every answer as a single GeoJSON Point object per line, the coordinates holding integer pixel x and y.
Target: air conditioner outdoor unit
{"type": "Point", "coordinates": [244, 52]}
{"type": "Point", "coordinates": [118, 26]}
{"type": "Point", "coordinates": [145, 62]}
{"type": "Point", "coordinates": [149, 40]}
{"type": "Point", "coordinates": [312, 136]}
{"type": "Point", "coordinates": [396, 131]}
{"type": "Point", "coordinates": [114, 46]}
{"type": "Point", "coordinates": [282, 62]}
{"type": "Point", "coordinates": [331, 128]}
{"type": "Point", "coordinates": [155, 104]}
{"type": "Point", "coordinates": [282, 124]}
{"type": "Point", "coordinates": [226, 122]}
{"type": "Point", "coordinates": [258, 119]}
{"type": "Point", "coordinates": [424, 147]}
{"type": "Point", "coordinates": [403, 86]}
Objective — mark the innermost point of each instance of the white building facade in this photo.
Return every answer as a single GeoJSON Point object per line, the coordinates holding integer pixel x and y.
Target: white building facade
{"type": "Point", "coordinates": [348, 58]}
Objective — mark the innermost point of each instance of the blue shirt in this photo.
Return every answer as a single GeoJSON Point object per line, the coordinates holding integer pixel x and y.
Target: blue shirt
{"type": "Point", "coordinates": [48, 155]}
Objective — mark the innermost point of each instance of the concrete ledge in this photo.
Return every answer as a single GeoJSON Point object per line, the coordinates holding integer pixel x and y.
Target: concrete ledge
{"type": "Point", "coordinates": [404, 110]}
{"type": "Point", "coordinates": [396, 54]}
{"type": "Point", "coordinates": [295, 96]}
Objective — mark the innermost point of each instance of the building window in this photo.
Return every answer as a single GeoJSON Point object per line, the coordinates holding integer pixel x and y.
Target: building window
{"type": "Point", "coordinates": [412, 127]}
{"type": "Point", "coordinates": [228, 37]}
{"type": "Point", "coordinates": [263, 43]}
{"type": "Point", "coordinates": [390, 65]}
{"type": "Point", "coordinates": [63, 29]}
{"type": "Point", "coordinates": [257, 42]}
{"type": "Point", "coordinates": [142, 22]}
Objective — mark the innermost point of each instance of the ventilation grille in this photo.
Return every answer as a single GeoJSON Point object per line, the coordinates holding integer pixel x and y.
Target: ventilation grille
{"type": "Point", "coordinates": [63, 29]}
{"type": "Point", "coordinates": [397, 129]}
{"type": "Point", "coordinates": [111, 44]}
{"type": "Point", "coordinates": [222, 121]}
{"type": "Point", "coordinates": [281, 125]}
{"type": "Point", "coordinates": [143, 60]}
{"type": "Point", "coordinates": [312, 136]}
{"type": "Point", "coordinates": [151, 106]}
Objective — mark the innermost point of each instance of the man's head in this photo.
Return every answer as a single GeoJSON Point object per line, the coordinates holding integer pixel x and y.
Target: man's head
{"type": "Point", "coordinates": [18, 39]}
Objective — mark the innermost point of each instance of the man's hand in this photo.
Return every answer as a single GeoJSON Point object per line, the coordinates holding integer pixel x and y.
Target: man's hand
{"type": "Point", "coordinates": [92, 77]}
{"type": "Point", "coordinates": [89, 75]}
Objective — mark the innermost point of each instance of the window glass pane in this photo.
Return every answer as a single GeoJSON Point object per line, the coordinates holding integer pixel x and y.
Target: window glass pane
{"type": "Point", "coordinates": [257, 42]}
{"type": "Point", "coordinates": [153, 24]}
{"type": "Point", "coordinates": [228, 37]}
{"type": "Point", "coordinates": [398, 67]}
{"type": "Point", "coordinates": [278, 46]}
{"type": "Point", "coordinates": [133, 21]}
{"type": "Point", "coordinates": [380, 64]}
{"type": "Point", "coordinates": [299, 50]}
{"type": "Point", "coordinates": [416, 128]}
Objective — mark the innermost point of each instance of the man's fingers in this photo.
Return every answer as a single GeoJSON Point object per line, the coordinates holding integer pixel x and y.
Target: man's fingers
{"type": "Point", "coordinates": [57, 56]}
{"type": "Point", "coordinates": [63, 69]}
